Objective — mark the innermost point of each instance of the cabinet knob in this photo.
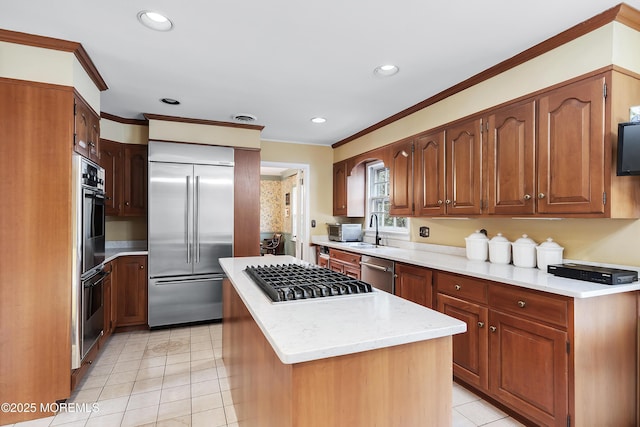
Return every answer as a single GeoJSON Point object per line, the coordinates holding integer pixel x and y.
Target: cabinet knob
{"type": "Point", "coordinates": [440, 202]}
{"type": "Point", "coordinates": [447, 202]}
{"type": "Point", "coordinates": [527, 197]}
{"type": "Point", "coordinates": [541, 196]}
{"type": "Point", "coordinates": [493, 328]}
{"type": "Point", "coordinates": [141, 267]}
{"type": "Point", "coordinates": [521, 304]}
{"type": "Point", "coordinates": [458, 287]}
{"type": "Point", "coordinates": [126, 203]}
{"type": "Point", "coordinates": [480, 324]}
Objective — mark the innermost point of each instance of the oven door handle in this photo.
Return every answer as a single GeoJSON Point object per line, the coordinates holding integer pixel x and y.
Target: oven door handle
{"type": "Point", "coordinates": [92, 284]}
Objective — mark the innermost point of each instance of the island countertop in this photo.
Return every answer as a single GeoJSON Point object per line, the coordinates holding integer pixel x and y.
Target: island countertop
{"type": "Point", "coordinates": [301, 331]}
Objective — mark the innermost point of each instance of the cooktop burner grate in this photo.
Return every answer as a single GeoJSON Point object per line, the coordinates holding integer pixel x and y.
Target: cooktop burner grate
{"type": "Point", "coordinates": [294, 282]}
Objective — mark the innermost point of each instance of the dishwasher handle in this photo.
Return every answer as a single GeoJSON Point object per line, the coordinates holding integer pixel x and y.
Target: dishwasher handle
{"type": "Point", "coordinates": [374, 266]}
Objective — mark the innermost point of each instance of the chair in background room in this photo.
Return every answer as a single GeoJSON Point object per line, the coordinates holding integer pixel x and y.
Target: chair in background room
{"type": "Point", "coordinates": [273, 246]}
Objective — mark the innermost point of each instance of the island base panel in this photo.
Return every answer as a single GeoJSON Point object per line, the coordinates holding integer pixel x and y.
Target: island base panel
{"type": "Point", "coordinates": [408, 385]}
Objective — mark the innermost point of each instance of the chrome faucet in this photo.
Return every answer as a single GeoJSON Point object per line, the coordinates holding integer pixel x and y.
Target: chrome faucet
{"type": "Point", "coordinates": [371, 225]}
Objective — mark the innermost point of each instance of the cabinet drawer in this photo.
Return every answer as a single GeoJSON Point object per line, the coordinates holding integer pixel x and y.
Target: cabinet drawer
{"type": "Point", "coordinates": [522, 302]}
{"type": "Point", "coordinates": [462, 287]}
{"type": "Point", "coordinates": [348, 257]}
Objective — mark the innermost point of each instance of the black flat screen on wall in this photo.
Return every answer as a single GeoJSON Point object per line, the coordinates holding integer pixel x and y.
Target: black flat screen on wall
{"type": "Point", "coordinates": [628, 148]}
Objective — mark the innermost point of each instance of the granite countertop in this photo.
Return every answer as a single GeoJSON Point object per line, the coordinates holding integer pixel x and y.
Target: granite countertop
{"type": "Point", "coordinates": [301, 331]}
{"type": "Point", "coordinates": [450, 261]}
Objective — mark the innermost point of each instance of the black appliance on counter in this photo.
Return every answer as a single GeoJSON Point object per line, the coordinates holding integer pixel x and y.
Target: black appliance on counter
{"type": "Point", "coordinates": [592, 273]}
{"type": "Point", "coordinates": [296, 282]}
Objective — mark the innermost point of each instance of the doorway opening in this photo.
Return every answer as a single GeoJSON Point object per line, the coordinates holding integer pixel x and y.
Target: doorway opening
{"type": "Point", "coordinates": [284, 207]}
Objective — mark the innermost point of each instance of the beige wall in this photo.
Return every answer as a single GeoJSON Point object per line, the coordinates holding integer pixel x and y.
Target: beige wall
{"type": "Point", "coordinates": [319, 182]}
{"type": "Point", "coordinates": [598, 240]}
{"type": "Point", "coordinates": [124, 133]}
{"type": "Point", "coordinates": [37, 64]}
{"type": "Point", "coordinates": [204, 134]}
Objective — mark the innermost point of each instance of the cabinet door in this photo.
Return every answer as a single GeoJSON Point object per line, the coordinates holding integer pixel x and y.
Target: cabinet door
{"type": "Point", "coordinates": [135, 180]}
{"type": "Point", "coordinates": [336, 266]}
{"type": "Point", "coordinates": [132, 290]}
{"type": "Point", "coordinates": [470, 350]}
{"type": "Point", "coordinates": [352, 271]}
{"type": "Point", "coordinates": [414, 284]}
{"type": "Point", "coordinates": [529, 368]}
{"type": "Point", "coordinates": [571, 149]}
{"type": "Point", "coordinates": [464, 161]}
{"type": "Point", "coordinates": [340, 189]}
{"type": "Point", "coordinates": [86, 131]}
{"type": "Point", "coordinates": [111, 159]}
{"type": "Point", "coordinates": [511, 160]}
{"type": "Point", "coordinates": [401, 178]}
{"type": "Point", "coordinates": [428, 174]}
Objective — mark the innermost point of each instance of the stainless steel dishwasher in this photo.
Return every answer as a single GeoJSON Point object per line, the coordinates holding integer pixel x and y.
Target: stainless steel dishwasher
{"type": "Point", "coordinates": [377, 272]}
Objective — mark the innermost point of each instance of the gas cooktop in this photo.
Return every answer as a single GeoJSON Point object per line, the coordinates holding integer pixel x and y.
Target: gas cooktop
{"type": "Point", "coordinates": [289, 282]}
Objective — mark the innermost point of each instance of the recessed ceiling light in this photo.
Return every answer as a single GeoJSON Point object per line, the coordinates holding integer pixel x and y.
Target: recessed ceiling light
{"type": "Point", "coordinates": [386, 70]}
{"type": "Point", "coordinates": [154, 20]}
{"type": "Point", "coordinates": [318, 120]}
{"type": "Point", "coordinates": [170, 101]}
{"type": "Point", "coordinates": [244, 117]}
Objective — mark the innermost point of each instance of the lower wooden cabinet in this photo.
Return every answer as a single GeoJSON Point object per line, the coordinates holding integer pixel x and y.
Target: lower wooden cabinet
{"type": "Point", "coordinates": [344, 262]}
{"type": "Point", "coordinates": [545, 356]}
{"type": "Point", "coordinates": [132, 291]}
{"type": "Point", "coordinates": [415, 284]}
{"type": "Point", "coordinates": [470, 350]}
{"type": "Point", "coordinates": [528, 368]}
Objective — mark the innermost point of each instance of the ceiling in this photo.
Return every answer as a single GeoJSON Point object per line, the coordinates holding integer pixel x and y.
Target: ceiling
{"type": "Point", "coordinates": [288, 61]}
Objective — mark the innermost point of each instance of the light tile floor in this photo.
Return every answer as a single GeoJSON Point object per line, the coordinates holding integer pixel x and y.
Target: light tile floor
{"type": "Point", "coordinates": [175, 377]}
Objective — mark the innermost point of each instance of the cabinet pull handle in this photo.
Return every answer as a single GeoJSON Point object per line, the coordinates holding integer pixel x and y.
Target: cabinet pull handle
{"type": "Point", "coordinates": [493, 328]}
{"type": "Point", "coordinates": [541, 196]}
{"type": "Point", "coordinates": [141, 267]}
{"type": "Point", "coordinates": [458, 287]}
{"type": "Point", "coordinates": [126, 203]}
{"type": "Point", "coordinates": [447, 202]}
{"type": "Point", "coordinates": [440, 202]}
{"type": "Point", "coordinates": [480, 324]}
{"type": "Point", "coordinates": [521, 304]}
{"type": "Point", "coordinates": [527, 197]}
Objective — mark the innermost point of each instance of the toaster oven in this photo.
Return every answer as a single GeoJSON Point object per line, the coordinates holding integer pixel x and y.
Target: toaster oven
{"type": "Point", "coordinates": [345, 232]}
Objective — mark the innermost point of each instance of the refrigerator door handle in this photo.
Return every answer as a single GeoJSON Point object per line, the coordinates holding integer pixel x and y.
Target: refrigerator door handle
{"type": "Point", "coordinates": [196, 233]}
{"type": "Point", "coordinates": [187, 233]}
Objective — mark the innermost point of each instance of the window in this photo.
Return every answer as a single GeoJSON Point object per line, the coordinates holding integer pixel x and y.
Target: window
{"type": "Point", "coordinates": [378, 199]}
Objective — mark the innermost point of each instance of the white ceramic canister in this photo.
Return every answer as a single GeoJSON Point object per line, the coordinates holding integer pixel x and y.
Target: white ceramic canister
{"type": "Point", "coordinates": [524, 252]}
{"type": "Point", "coordinates": [477, 246]}
{"type": "Point", "coordinates": [549, 253]}
{"type": "Point", "coordinates": [499, 249]}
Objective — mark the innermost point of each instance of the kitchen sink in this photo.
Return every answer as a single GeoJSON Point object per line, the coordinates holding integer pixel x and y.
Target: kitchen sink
{"type": "Point", "coordinates": [361, 245]}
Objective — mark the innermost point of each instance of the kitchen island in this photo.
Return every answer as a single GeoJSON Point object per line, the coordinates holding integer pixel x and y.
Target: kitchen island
{"type": "Point", "coordinates": [354, 360]}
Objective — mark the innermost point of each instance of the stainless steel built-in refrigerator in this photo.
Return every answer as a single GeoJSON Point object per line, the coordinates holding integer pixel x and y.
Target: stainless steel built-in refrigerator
{"type": "Point", "coordinates": [190, 228]}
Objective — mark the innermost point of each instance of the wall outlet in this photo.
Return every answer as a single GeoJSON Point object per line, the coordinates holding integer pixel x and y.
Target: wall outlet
{"type": "Point", "coordinates": [424, 231]}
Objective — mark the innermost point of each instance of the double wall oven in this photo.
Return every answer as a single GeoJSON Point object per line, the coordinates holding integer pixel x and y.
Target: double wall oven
{"type": "Point", "coordinates": [87, 317]}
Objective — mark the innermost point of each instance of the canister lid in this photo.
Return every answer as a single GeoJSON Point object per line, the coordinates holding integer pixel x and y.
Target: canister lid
{"type": "Point", "coordinates": [550, 244]}
{"type": "Point", "coordinates": [524, 240]}
{"type": "Point", "coordinates": [499, 238]}
{"type": "Point", "coordinates": [477, 235]}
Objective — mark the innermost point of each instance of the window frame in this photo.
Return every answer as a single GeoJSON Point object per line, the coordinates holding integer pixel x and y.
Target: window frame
{"type": "Point", "coordinates": [371, 169]}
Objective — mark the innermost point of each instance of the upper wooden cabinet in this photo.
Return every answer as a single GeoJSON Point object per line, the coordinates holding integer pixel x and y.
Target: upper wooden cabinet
{"type": "Point", "coordinates": [511, 160]}
{"type": "Point", "coordinates": [572, 149]}
{"type": "Point", "coordinates": [464, 168]}
{"type": "Point", "coordinates": [86, 130]}
{"type": "Point", "coordinates": [125, 178]}
{"type": "Point", "coordinates": [348, 189]}
{"type": "Point", "coordinates": [401, 178]}
{"type": "Point", "coordinates": [428, 174]}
